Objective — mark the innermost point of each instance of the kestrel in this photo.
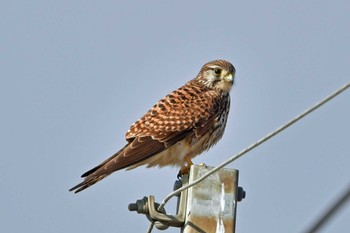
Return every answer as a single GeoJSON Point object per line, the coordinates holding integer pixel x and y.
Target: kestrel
{"type": "Point", "coordinates": [179, 127]}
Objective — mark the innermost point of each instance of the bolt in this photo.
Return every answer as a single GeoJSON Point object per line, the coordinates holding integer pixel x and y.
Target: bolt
{"type": "Point", "coordinates": [132, 207]}
{"type": "Point", "coordinates": [140, 206]}
{"type": "Point", "coordinates": [177, 185]}
{"type": "Point", "coordinates": [240, 194]}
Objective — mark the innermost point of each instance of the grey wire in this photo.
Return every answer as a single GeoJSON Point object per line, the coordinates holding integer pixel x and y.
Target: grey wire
{"type": "Point", "coordinates": [252, 146]}
{"type": "Point", "coordinates": [329, 213]}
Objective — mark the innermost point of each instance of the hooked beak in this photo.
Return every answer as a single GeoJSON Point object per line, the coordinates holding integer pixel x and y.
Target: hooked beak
{"type": "Point", "coordinates": [229, 78]}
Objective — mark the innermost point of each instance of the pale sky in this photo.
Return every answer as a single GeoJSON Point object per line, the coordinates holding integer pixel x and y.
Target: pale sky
{"type": "Point", "coordinates": [76, 74]}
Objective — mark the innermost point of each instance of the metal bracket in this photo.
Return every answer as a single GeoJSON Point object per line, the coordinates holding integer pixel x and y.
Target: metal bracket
{"type": "Point", "coordinates": [162, 221]}
{"type": "Point", "coordinates": [205, 206]}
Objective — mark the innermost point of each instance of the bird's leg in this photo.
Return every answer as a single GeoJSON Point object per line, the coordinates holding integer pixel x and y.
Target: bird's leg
{"type": "Point", "coordinates": [186, 167]}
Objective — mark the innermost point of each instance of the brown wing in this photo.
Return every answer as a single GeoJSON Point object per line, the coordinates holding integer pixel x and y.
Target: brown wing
{"type": "Point", "coordinates": [189, 110]}
{"type": "Point", "coordinates": [184, 109]}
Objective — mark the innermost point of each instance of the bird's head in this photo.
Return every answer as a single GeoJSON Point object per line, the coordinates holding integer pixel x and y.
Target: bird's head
{"type": "Point", "coordinates": [218, 74]}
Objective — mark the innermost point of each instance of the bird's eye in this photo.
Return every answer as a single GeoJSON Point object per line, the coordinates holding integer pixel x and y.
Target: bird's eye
{"type": "Point", "coordinates": [217, 71]}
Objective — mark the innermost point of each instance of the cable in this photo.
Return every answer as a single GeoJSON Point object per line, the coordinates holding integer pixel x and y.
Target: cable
{"type": "Point", "coordinates": [329, 213]}
{"type": "Point", "coordinates": [252, 146]}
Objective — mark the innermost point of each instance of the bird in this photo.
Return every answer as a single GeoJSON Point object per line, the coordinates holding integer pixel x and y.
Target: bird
{"type": "Point", "coordinates": [182, 125]}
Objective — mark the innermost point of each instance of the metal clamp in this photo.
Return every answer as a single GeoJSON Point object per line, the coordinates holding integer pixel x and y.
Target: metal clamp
{"type": "Point", "coordinates": [149, 207]}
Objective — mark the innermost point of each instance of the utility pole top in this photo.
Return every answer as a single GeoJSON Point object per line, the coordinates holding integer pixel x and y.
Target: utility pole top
{"type": "Point", "coordinates": [208, 206]}
{"type": "Point", "coordinates": [211, 204]}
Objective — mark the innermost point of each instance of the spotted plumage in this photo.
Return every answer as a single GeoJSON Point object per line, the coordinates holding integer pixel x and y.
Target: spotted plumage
{"type": "Point", "coordinates": [180, 126]}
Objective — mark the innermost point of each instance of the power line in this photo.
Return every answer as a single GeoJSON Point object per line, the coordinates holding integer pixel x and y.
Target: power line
{"type": "Point", "coordinates": [329, 213]}
{"type": "Point", "coordinates": [252, 146]}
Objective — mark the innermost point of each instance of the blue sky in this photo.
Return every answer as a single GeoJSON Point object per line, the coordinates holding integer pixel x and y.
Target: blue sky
{"type": "Point", "coordinates": [76, 74]}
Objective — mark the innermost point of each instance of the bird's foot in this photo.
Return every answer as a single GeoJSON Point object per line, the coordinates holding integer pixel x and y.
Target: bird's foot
{"type": "Point", "coordinates": [183, 171]}
{"type": "Point", "coordinates": [186, 168]}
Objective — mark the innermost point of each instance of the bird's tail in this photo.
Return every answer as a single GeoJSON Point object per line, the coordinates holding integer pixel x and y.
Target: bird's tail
{"type": "Point", "coordinates": [96, 174]}
{"type": "Point", "coordinates": [88, 181]}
